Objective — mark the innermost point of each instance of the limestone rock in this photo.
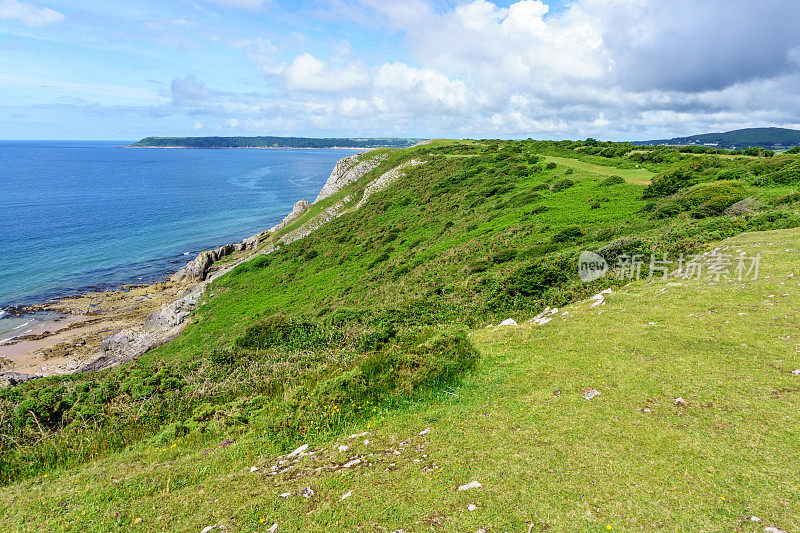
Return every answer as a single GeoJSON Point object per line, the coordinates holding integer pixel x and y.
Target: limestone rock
{"type": "Point", "coordinates": [471, 485]}
{"type": "Point", "coordinates": [346, 171]}
{"type": "Point", "coordinates": [591, 394]}
{"type": "Point", "coordinates": [299, 208]}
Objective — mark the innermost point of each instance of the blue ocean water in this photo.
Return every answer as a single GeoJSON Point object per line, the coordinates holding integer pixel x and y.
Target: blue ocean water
{"type": "Point", "coordinates": [75, 215]}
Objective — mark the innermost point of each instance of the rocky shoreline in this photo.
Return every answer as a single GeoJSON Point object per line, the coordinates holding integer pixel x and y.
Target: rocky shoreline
{"type": "Point", "coordinates": [96, 330]}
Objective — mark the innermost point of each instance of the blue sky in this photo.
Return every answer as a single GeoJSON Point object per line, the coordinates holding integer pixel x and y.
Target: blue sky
{"type": "Point", "coordinates": [615, 69]}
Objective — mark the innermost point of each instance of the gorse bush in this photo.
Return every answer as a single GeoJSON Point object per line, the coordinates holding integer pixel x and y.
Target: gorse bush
{"type": "Point", "coordinates": [612, 180]}
{"type": "Point", "coordinates": [561, 185]}
{"type": "Point", "coordinates": [568, 234]}
{"type": "Point", "coordinates": [284, 332]}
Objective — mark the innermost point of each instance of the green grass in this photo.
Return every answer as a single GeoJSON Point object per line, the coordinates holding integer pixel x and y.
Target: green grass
{"type": "Point", "coordinates": [639, 176]}
{"type": "Point", "coordinates": [519, 425]}
{"type": "Point", "coordinates": [359, 327]}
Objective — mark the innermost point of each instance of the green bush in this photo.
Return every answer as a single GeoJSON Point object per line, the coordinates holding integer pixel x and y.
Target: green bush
{"type": "Point", "coordinates": [669, 183]}
{"type": "Point", "coordinates": [612, 180]}
{"type": "Point", "coordinates": [504, 256]}
{"type": "Point", "coordinates": [281, 331]}
{"type": "Point", "coordinates": [795, 150]}
{"type": "Point", "coordinates": [568, 234]}
{"type": "Point", "coordinates": [550, 166]}
{"type": "Point", "coordinates": [478, 266]}
{"type": "Point", "coordinates": [628, 246]}
{"type": "Point", "coordinates": [561, 185]}
{"type": "Point", "coordinates": [701, 200]}
{"type": "Point", "coordinates": [531, 281]}
{"type": "Point", "coordinates": [786, 199]}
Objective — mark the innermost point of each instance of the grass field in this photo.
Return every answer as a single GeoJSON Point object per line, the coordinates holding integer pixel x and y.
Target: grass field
{"type": "Point", "coordinates": [631, 459]}
{"type": "Point", "coordinates": [638, 176]}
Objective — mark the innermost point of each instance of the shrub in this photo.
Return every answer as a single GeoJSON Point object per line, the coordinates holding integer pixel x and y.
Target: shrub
{"type": "Point", "coordinates": [477, 267]}
{"type": "Point", "coordinates": [550, 166]}
{"type": "Point", "coordinates": [504, 256]}
{"type": "Point", "coordinates": [702, 200]}
{"type": "Point", "coordinates": [383, 256]}
{"type": "Point", "coordinates": [561, 185]}
{"type": "Point", "coordinates": [786, 199]}
{"type": "Point", "coordinates": [280, 331]}
{"type": "Point", "coordinates": [568, 234]}
{"type": "Point", "coordinates": [612, 180]}
{"type": "Point", "coordinates": [669, 182]}
{"type": "Point", "coordinates": [629, 246]}
{"type": "Point", "coordinates": [795, 150]}
{"type": "Point", "coordinates": [531, 281]}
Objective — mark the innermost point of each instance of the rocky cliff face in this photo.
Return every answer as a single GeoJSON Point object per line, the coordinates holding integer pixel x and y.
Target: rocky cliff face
{"type": "Point", "coordinates": [197, 268]}
{"type": "Point", "coordinates": [299, 208]}
{"type": "Point", "coordinates": [348, 170]}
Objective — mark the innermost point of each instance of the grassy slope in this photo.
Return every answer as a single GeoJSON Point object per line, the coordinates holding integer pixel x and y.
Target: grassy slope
{"type": "Point", "coordinates": [544, 454]}
{"type": "Point", "coordinates": [637, 176]}
{"type": "Point", "coordinates": [504, 425]}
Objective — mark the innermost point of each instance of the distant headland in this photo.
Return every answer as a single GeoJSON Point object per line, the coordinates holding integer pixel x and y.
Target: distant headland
{"type": "Point", "coordinates": [273, 142]}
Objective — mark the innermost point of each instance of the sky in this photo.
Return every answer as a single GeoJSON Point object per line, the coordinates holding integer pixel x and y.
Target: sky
{"type": "Point", "coordinates": [609, 69]}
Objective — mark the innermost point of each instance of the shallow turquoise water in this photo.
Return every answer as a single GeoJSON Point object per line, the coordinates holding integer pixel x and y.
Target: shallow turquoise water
{"type": "Point", "coordinates": [75, 215]}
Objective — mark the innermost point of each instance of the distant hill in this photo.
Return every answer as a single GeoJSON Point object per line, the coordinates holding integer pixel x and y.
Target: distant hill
{"type": "Point", "coordinates": [762, 137]}
{"type": "Point", "coordinates": [272, 142]}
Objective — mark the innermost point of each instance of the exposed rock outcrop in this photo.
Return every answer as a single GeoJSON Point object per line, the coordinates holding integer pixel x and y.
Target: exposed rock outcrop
{"type": "Point", "coordinates": [159, 328]}
{"type": "Point", "coordinates": [197, 269]}
{"type": "Point", "coordinates": [348, 170]}
{"type": "Point", "coordinates": [299, 208]}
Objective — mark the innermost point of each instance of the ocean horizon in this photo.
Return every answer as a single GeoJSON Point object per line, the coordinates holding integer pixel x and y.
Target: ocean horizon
{"type": "Point", "coordinates": [84, 215]}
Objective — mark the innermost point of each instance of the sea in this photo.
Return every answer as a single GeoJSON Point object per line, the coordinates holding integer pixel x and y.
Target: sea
{"type": "Point", "coordinates": [85, 215]}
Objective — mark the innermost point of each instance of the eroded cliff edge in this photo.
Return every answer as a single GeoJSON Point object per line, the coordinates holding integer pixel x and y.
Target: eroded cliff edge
{"type": "Point", "coordinates": [133, 336]}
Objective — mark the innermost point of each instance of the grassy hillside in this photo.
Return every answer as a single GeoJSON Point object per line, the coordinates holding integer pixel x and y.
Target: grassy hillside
{"type": "Point", "coordinates": [374, 323]}
{"type": "Point", "coordinates": [744, 138]}
{"type": "Point", "coordinates": [631, 459]}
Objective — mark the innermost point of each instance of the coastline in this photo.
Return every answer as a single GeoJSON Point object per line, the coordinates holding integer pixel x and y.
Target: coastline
{"type": "Point", "coordinates": [97, 329]}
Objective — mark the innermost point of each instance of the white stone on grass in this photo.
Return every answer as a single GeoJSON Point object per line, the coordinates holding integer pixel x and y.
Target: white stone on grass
{"type": "Point", "coordinates": [352, 463]}
{"type": "Point", "coordinates": [424, 432]}
{"type": "Point", "coordinates": [471, 507]}
{"type": "Point", "coordinates": [346, 495]}
{"type": "Point", "coordinates": [298, 451]}
{"type": "Point", "coordinates": [254, 469]}
{"type": "Point", "coordinates": [273, 529]}
{"type": "Point", "coordinates": [508, 322]}
{"type": "Point", "coordinates": [284, 495]}
{"type": "Point", "coordinates": [471, 485]}
{"type": "Point", "coordinates": [591, 394]}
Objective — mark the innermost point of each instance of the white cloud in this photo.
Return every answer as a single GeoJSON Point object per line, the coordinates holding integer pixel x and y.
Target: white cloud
{"type": "Point", "coordinates": [28, 13]}
{"type": "Point", "coordinates": [198, 126]}
{"type": "Point", "coordinates": [307, 73]}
